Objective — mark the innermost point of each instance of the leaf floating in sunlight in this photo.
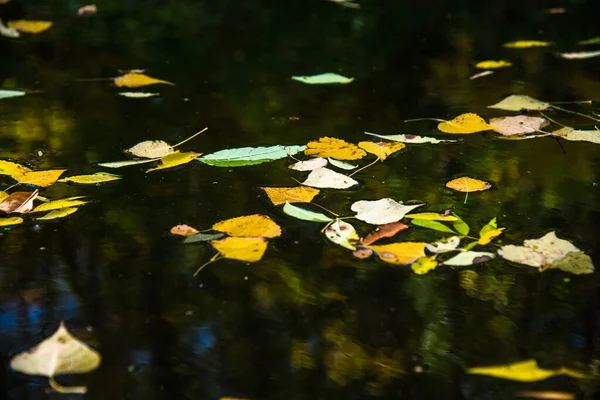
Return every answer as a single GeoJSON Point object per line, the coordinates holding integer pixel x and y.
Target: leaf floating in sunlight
{"type": "Point", "coordinates": [249, 249]}
{"type": "Point", "coordinates": [59, 354]}
{"type": "Point", "coordinates": [324, 178]}
{"type": "Point", "coordinates": [175, 159]}
{"type": "Point", "coordinates": [13, 169]}
{"type": "Point", "coordinates": [341, 164]}
{"type": "Point", "coordinates": [134, 80]}
{"type": "Point", "coordinates": [29, 26]}
{"type": "Point", "coordinates": [342, 233]}
{"type": "Point", "coordinates": [432, 216]}
{"type": "Point", "coordinates": [576, 263]}
{"type": "Point", "coordinates": [579, 55]}
{"type": "Point", "coordinates": [424, 264]}
{"type": "Point", "coordinates": [305, 215]}
{"type": "Point", "coordinates": [449, 244]}
{"type": "Point", "coordinates": [383, 231]}
{"type": "Point", "coordinates": [61, 203]}
{"type": "Point", "coordinates": [183, 230]}
{"type": "Point", "coordinates": [92, 179]}
{"type": "Point", "coordinates": [524, 371]}
{"type": "Point", "coordinates": [249, 155]}
{"type": "Point", "coordinates": [18, 202]}
{"type": "Point", "coordinates": [309, 165]}
{"type": "Point", "coordinates": [380, 212]}
{"type": "Point", "coordinates": [469, 258]}
{"type": "Point", "coordinates": [465, 124]}
{"type": "Point", "coordinates": [525, 44]}
{"type": "Point", "coordinates": [323, 79]}
{"type": "Point", "coordinates": [301, 194]}
{"type": "Point", "coordinates": [406, 138]}
{"type": "Point", "coordinates": [517, 125]}
{"type": "Point", "coordinates": [468, 185]}
{"type": "Point", "coordinates": [334, 148]}
{"type": "Point", "coordinates": [151, 149]}
{"type": "Point", "coordinates": [575, 135]}
{"type": "Point", "coordinates": [518, 102]}
{"type": "Point", "coordinates": [11, 221]}
{"type": "Point", "coordinates": [404, 253]}
{"type": "Point", "coordinates": [493, 64]}
{"type": "Point", "coordinates": [138, 95]}
{"type": "Point", "coordinates": [56, 214]}
{"type": "Point", "coordinates": [249, 225]}
{"type": "Point", "coordinates": [6, 94]}
{"type": "Point", "coordinates": [381, 150]}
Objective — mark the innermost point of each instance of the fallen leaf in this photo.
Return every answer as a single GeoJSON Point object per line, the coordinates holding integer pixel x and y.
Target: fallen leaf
{"type": "Point", "coordinates": [151, 149]}
{"type": "Point", "coordinates": [406, 138]}
{"type": "Point", "coordinates": [59, 354]}
{"type": "Point", "coordinates": [8, 32]}
{"type": "Point", "coordinates": [203, 237]}
{"type": "Point", "coordinates": [334, 148]}
{"type": "Point", "coordinates": [342, 233]}
{"type": "Point", "coordinates": [323, 79]}
{"type": "Point", "coordinates": [449, 244]}
{"type": "Point", "coordinates": [575, 135]}
{"type": "Point", "coordinates": [383, 231]}
{"type": "Point", "coordinates": [431, 224]}
{"type": "Point", "coordinates": [380, 212]}
{"type": "Point", "coordinates": [481, 75]}
{"type": "Point", "coordinates": [465, 124]}
{"type": "Point", "coordinates": [489, 236]}
{"type": "Point", "coordinates": [400, 253]}
{"type": "Point", "coordinates": [518, 102]}
{"type": "Point", "coordinates": [3, 195]}
{"type": "Point", "coordinates": [304, 215]}
{"type": "Point", "coordinates": [545, 395]}
{"type": "Point", "coordinates": [175, 159]}
{"type": "Point", "coordinates": [432, 216]}
{"type": "Point", "coordinates": [249, 155]}
{"type": "Point", "coordinates": [249, 226]}
{"type": "Point", "coordinates": [493, 64]}
{"type": "Point", "coordinates": [362, 253]}
{"type": "Point", "coordinates": [538, 252]}
{"type": "Point", "coordinates": [324, 178]}
{"type": "Point", "coordinates": [517, 125]}
{"type": "Point", "coordinates": [309, 165]}
{"type": "Point", "coordinates": [92, 179]}
{"type": "Point", "coordinates": [5, 94]}
{"type": "Point", "coordinates": [120, 164]}
{"type": "Point", "coordinates": [133, 80]}
{"type": "Point", "coordinates": [301, 194]}
{"type": "Point", "coordinates": [466, 184]}
{"type": "Point", "coordinates": [341, 164]}
{"type": "Point", "coordinates": [382, 150]}
{"type": "Point", "coordinates": [18, 202]}
{"type": "Point", "coordinates": [595, 40]}
{"type": "Point", "coordinates": [29, 26]}
{"type": "Point", "coordinates": [11, 221]}
{"type": "Point", "coordinates": [87, 10]}
{"type": "Point", "coordinates": [469, 258]}
{"type": "Point", "coordinates": [579, 55]}
{"type": "Point", "coordinates": [576, 263]}
{"type": "Point", "coordinates": [461, 226]}
{"type": "Point", "coordinates": [56, 214]}
{"type": "Point", "coordinates": [183, 230]}
{"type": "Point", "coordinates": [249, 249]}
{"type": "Point", "coordinates": [13, 169]}
{"type": "Point", "coordinates": [61, 203]}
{"type": "Point", "coordinates": [424, 264]}
{"type": "Point", "coordinates": [138, 95]}
{"type": "Point", "coordinates": [525, 44]}
{"type": "Point", "coordinates": [523, 371]}
{"type": "Point", "coordinates": [41, 178]}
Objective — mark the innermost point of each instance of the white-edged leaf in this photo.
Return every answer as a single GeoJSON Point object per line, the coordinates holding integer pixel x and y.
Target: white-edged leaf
{"type": "Point", "coordinates": [469, 258]}
{"type": "Point", "coordinates": [323, 79]}
{"type": "Point", "coordinates": [406, 138]}
{"type": "Point", "coordinates": [249, 155]}
{"type": "Point", "coordinates": [343, 234]}
{"type": "Point", "coordinates": [324, 178]}
{"type": "Point", "coordinates": [304, 215]}
{"type": "Point", "coordinates": [341, 164]}
{"type": "Point", "coordinates": [5, 94]}
{"type": "Point", "coordinates": [382, 211]}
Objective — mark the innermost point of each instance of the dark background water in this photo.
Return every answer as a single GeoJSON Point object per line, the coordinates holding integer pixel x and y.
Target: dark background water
{"type": "Point", "coordinates": [265, 331]}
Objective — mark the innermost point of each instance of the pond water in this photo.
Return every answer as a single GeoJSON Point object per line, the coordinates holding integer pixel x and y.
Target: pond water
{"type": "Point", "coordinates": [308, 320]}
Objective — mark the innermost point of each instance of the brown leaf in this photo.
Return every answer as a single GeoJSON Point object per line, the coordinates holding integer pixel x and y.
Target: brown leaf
{"type": "Point", "coordinates": [362, 253]}
{"type": "Point", "coordinates": [18, 202]}
{"type": "Point", "coordinates": [383, 231]}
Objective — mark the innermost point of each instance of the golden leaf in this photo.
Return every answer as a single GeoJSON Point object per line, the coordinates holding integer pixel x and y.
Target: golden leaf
{"type": "Point", "coordinates": [61, 203]}
{"type": "Point", "coordinates": [92, 179]}
{"type": "Point", "coordinates": [334, 148]}
{"type": "Point", "coordinates": [381, 150]}
{"type": "Point", "coordinates": [523, 371]}
{"type": "Point", "coordinates": [133, 80]}
{"type": "Point", "coordinates": [523, 44]}
{"type": "Point", "coordinates": [41, 178]}
{"type": "Point", "coordinates": [493, 64]}
{"type": "Point", "coordinates": [423, 265]}
{"type": "Point", "coordinates": [249, 226]}
{"type": "Point", "coordinates": [432, 216]}
{"type": "Point", "coordinates": [56, 214]}
{"type": "Point", "coordinates": [301, 194]}
{"type": "Point", "coordinates": [466, 184]}
{"type": "Point", "coordinates": [29, 26]}
{"type": "Point", "coordinates": [400, 253]}
{"type": "Point", "coordinates": [250, 249]}
{"type": "Point", "coordinates": [12, 169]}
{"type": "Point", "coordinates": [490, 235]}
{"type": "Point", "coordinates": [174, 159]}
{"type": "Point", "coordinates": [464, 124]}
{"type": "Point", "coordinates": [18, 202]}
{"type": "Point", "coordinates": [11, 221]}
{"type": "Point", "coordinates": [183, 230]}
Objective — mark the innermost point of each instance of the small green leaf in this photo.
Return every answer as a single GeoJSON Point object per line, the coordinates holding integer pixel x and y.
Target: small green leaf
{"type": "Point", "coordinates": [323, 79]}
{"type": "Point", "coordinates": [249, 155]}
{"type": "Point", "coordinates": [595, 40]}
{"type": "Point", "coordinates": [203, 237]}
{"type": "Point", "coordinates": [341, 164]}
{"type": "Point", "coordinates": [305, 215]}
{"type": "Point", "coordinates": [471, 245]}
{"type": "Point", "coordinates": [461, 226]}
{"type": "Point", "coordinates": [430, 224]}
{"type": "Point", "coordinates": [489, 227]}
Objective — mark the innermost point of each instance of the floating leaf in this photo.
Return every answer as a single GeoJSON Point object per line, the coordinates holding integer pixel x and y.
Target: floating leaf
{"type": "Point", "coordinates": [464, 124]}
{"type": "Point", "coordinates": [523, 371]}
{"type": "Point", "coordinates": [323, 79]}
{"type": "Point", "coordinates": [138, 95]}
{"type": "Point", "coordinates": [381, 150]}
{"type": "Point", "coordinates": [120, 164]}
{"type": "Point", "coordinates": [406, 138]}
{"type": "Point", "coordinates": [133, 80]}
{"type": "Point", "coordinates": [29, 26]}
{"type": "Point", "coordinates": [383, 231]}
{"type": "Point", "coordinates": [380, 212]}
{"type": "Point", "coordinates": [517, 125]}
{"type": "Point", "coordinates": [518, 102]}
{"type": "Point", "coordinates": [595, 40]}
{"type": "Point", "coordinates": [342, 233]}
{"type": "Point", "coordinates": [493, 64]}
{"type": "Point", "coordinates": [325, 178]}
{"type": "Point", "coordinates": [249, 226]}
{"type": "Point", "coordinates": [400, 253]}
{"type": "Point", "coordinates": [309, 165]}
{"type": "Point", "coordinates": [579, 55]}
{"type": "Point", "coordinates": [468, 185]}
{"type": "Point", "coordinates": [575, 135]}
{"type": "Point", "coordinates": [545, 394]}
{"type": "Point", "coordinates": [18, 202]}
{"type": "Point", "coordinates": [61, 203]}
{"type": "Point", "coordinates": [577, 263]}
{"type": "Point", "coordinates": [41, 178]}
{"type": "Point", "coordinates": [489, 236]}
{"type": "Point", "coordinates": [341, 164]}
{"type": "Point", "coordinates": [424, 264]}
{"type": "Point", "coordinates": [5, 94]}
{"type": "Point", "coordinates": [175, 159]}
{"type": "Point", "coordinates": [59, 354]}
{"type": "Point", "coordinates": [431, 224]}
{"type": "Point", "coordinates": [481, 74]}
{"type": "Point", "coordinates": [432, 216]}
{"type": "Point", "coordinates": [524, 44]}
{"type": "Point", "coordinates": [249, 155]}
{"type": "Point", "coordinates": [13, 169]}
{"type": "Point", "coordinates": [249, 249]}
{"type": "Point", "coordinates": [304, 215]}
{"type": "Point", "coordinates": [461, 226]}
{"type": "Point", "coordinates": [301, 194]}
{"type": "Point", "coordinates": [93, 179]}
{"type": "Point", "coordinates": [183, 230]}
{"type": "Point", "coordinates": [11, 221]}
{"type": "Point", "coordinates": [490, 226]}
{"type": "Point", "coordinates": [203, 237]}
{"type": "Point", "coordinates": [469, 258]}
{"type": "Point", "coordinates": [334, 148]}
{"type": "Point", "coordinates": [56, 214]}
{"type": "Point", "coordinates": [443, 247]}
{"type": "Point", "coordinates": [151, 149]}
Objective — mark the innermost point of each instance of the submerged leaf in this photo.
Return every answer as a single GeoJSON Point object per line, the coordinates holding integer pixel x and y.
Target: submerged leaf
{"type": "Point", "coordinates": [92, 179]}
{"type": "Point", "coordinates": [249, 226]}
{"type": "Point", "coordinates": [249, 249]}
{"type": "Point", "coordinates": [468, 185]}
{"type": "Point", "coordinates": [383, 211]}
{"type": "Point", "coordinates": [280, 195]}
{"type": "Point", "coordinates": [175, 159]}
{"type": "Point", "coordinates": [493, 64]}
{"type": "Point", "coordinates": [334, 148]}
{"type": "Point", "coordinates": [465, 124]}
{"type": "Point", "coordinates": [518, 102]}
{"type": "Point", "coordinates": [524, 44]}
{"type": "Point", "coordinates": [29, 26]}
{"type": "Point", "coordinates": [324, 178]}
{"type": "Point", "coordinates": [305, 215]}
{"type": "Point", "coordinates": [381, 150]}
{"type": "Point", "coordinates": [342, 233]}
{"type": "Point", "coordinates": [133, 80]}
{"type": "Point", "coordinates": [249, 155]}
{"type": "Point", "coordinates": [56, 214]}
{"type": "Point", "coordinates": [150, 149]}
{"type": "Point", "coordinates": [406, 138]}
{"type": "Point", "coordinates": [523, 371]}
{"type": "Point", "coordinates": [323, 79]}
{"type": "Point", "coordinates": [400, 253]}
{"type": "Point", "coordinates": [517, 125]}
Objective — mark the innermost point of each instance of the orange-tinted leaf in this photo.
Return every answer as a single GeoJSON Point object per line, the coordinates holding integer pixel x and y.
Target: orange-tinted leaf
{"type": "Point", "coordinates": [362, 253]}
{"type": "Point", "coordinates": [18, 202]}
{"type": "Point", "coordinates": [183, 230]}
{"type": "Point", "coordinates": [400, 253]}
{"type": "Point", "coordinates": [249, 226]}
{"type": "Point", "coordinates": [334, 148]}
{"type": "Point", "coordinates": [464, 124]}
{"type": "Point", "coordinates": [301, 194]}
{"type": "Point", "coordinates": [383, 231]}
{"type": "Point", "coordinates": [466, 184]}
{"type": "Point", "coordinates": [250, 249]}
{"type": "Point", "coordinates": [133, 80]}
{"type": "Point", "coordinates": [41, 178]}
{"type": "Point", "coordinates": [29, 26]}
{"type": "Point", "coordinates": [381, 150]}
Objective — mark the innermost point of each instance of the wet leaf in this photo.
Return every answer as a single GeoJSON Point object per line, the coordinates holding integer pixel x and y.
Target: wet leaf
{"type": "Point", "coordinates": [150, 149]}
{"type": "Point", "coordinates": [324, 178]}
{"type": "Point", "coordinates": [432, 216]}
{"type": "Point", "coordinates": [41, 178]}
{"type": "Point", "coordinates": [380, 212]}
{"type": "Point", "coordinates": [175, 159]}
{"type": "Point", "coordinates": [61, 203]}
{"type": "Point", "coordinates": [493, 64]}
{"type": "Point", "coordinates": [133, 80]}
{"type": "Point", "coordinates": [249, 155]}
{"type": "Point", "coordinates": [56, 214]}
{"type": "Point", "coordinates": [362, 253]}
{"type": "Point", "coordinates": [59, 354]}
{"type": "Point", "coordinates": [469, 258]}
{"type": "Point", "coordinates": [465, 124]}
{"type": "Point", "coordinates": [183, 230]}
{"type": "Point", "coordinates": [400, 253]}
{"type": "Point", "coordinates": [334, 148]}
{"type": "Point", "coordinates": [577, 263]}
{"type": "Point", "coordinates": [249, 249]}
{"type": "Point", "coordinates": [29, 26]}
{"type": "Point", "coordinates": [411, 138]}
{"type": "Point", "coordinates": [301, 194]}
{"type": "Point", "coordinates": [249, 226]}
{"type": "Point", "coordinates": [383, 231]}
{"type": "Point", "coordinates": [424, 264]}
{"type": "Point", "coordinates": [461, 226]}
{"type": "Point", "coordinates": [517, 125]}
{"type": "Point", "coordinates": [304, 215]}
{"type": "Point", "coordinates": [120, 164]}
{"type": "Point", "coordinates": [575, 135]}
{"type": "Point", "coordinates": [342, 233]}
{"type": "Point", "coordinates": [11, 221]}
{"type": "Point", "coordinates": [138, 95]}
{"type": "Point", "coordinates": [579, 55]}
{"type": "Point", "coordinates": [92, 179]}
{"type": "Point", "coordinates": [341, 164]}
{"type": "Point", "coordinates": [449, 244]}
{"type": "Point", "coordinates": [323, 79]}
{"type": "Point", "coordinates": [203, 237]}
{"type": "Point", "coordinates": [18, 202]}
{"type": "Point", "coordinates": [523, 371]}
{"type": "Point", "coordinates": [13, 169]}
{"type": "Point", "coordinates": [5, 94]}
{"type": "Point", "coordinates": [466, 184]}
{"type": "Point", "coordinates": [382, 150]}
{"type": "Point", "coordinates": [489, 236]}
{"type": "Point", "coordinates": [525, 44]}
{"type": "Point", "coordinates": [518, 102]}
{"type": "Point", "coordinates": [309, 165]}
{"type": "Point", "coordinates": [431, 224]}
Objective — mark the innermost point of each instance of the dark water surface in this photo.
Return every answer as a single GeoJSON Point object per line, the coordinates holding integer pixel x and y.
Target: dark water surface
{"type": "Point", "coordinates": [265, 331]}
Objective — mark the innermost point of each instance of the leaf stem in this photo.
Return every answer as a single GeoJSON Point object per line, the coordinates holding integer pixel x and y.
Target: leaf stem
{"type": "Point", "coordinates": [365, 167]}
{"type": "Point", "coordinates": [553, 121]}
{"type": "Point", "coordinates": [190, 138]}
{"type": "Point", "coordinates": [326, 209]}
{"type": "Point", "coordinates": [576, 113]}
{"type": "Point", "coordinates": [212, 260]}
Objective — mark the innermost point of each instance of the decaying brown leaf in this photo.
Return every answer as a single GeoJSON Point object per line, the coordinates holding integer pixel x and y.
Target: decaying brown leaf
{"type": "Point", "coordinates": [184, 230]}
{"type": "Point", "coordinates": [18, 202]}
{"type": "Point", "coordinates": [383, 231]}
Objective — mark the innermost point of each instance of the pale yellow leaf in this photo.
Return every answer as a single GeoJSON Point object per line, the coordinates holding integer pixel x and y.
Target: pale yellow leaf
{"type": "Point", "coordinates": [59, 213]}
{"type": "Point", "coordinates": [324, 178]}
{"type": "Point", "coordinates": [334, 148]}
{"type": "Point", "coordinates": [343, 234]}
{"type": "Point", "coordinates": [466, 184]}
{"type": "Point", "coordinates": [133, 80]}
{"type": "Point", "coordinates": [383, 149]}
{"type": "Point", "coordinates": [61, 203]}
{"type": "Point", "coordinates": [423, 265]}
{"type": "Point", "coordinates": [11, 221]}
{"type": "Point", "coordinates": [301, 194]}
{"type": "Point", "coordinates": [175, 159]}
{"type": "Point", "coordinates": [490, 235]}
{"type": "Point", "coordinates": [309, 165]}
{"type": "Point", "coordinates": [518, 102]}
{"type": "Point", "coordinates": [524, 44]}
{"type": "Point", "coordinates": [250, 249]}
{"type": "Point", "coordinates": [14, 170]}
{"type": "Point", "coordinates": [92, 179]}
{"type": "Point", "coordinates": [517, 125]}
{"type": "Point", "coordinates": [150, 149]}
{"type": "Point", "coordinates": [523, 371]}
{"type": "Point", "coordinates": [249, 226]}
{"type": "Point", "coordinates": [465, 124]}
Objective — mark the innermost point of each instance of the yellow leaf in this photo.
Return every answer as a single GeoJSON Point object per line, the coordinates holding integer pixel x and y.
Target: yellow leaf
{"type": "Point", "coordinates": [41, 178]}
{"type": "Point", "coordinates": [432, 216]}
{"type": "Point", "coordinates": [250, 249]}
{"type": "Point", "coordinates": [466, 184]}
{"type": "Point", "coordinates": [61, 203]}
{"type": "Point", "coordinates": [334, 148]}
{"type": "Point", "coordinates": [29, 26]}
{"type": "Point", "coordinates": [301, 194]}
{"type": "Point", "coordinates": [98, 177]}
{"type": "Point", "coordinates": [12, 169]}
{"type": "Point", "coordinates": [489, 236]}
{"type": "Point", "coordinates": [3, 195]}
{"type": "Point", "coordinates": [523, 371]}
{"type": "Point", "coordinates": [465, 123]}
{"type": "Point", "coordinates": [133, 80]}
{"type": "Point", "coordinates": [423, 265]}
{"type": "Point", "coordinates": [11, 221]}
{"type": "Point", "coordinates": [381, 150]}
{"type": "Point", "coordinates": [249, 226]}
{"type": "Point", "coordinates": [493, 64]}
{"type": "Point", "coordinates": [60, 213]}
{"type": "Point", "coordinates": [523, 44]}
{"type": "Point", "coordinates": [400, 253]}
{"type": "Point", "coordinates": [174, 159]}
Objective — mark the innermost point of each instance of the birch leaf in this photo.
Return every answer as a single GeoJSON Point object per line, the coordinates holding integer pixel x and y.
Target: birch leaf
{"type": "Point", "coordinates": [323, 79]}
{"type": "Point", "coordinates": [249, 249]}
{"type": "Point", "coordinates": [443, 247]}
{"type": "Point", "coordinates": [342, 233]}
{"type": "Point", "coordinates": [424, 264]}
{"type": "Point", "coordinates": [61, 203]}
{"type": "Point", "coordinates": [93, 179]}
{"type": "Point", "coordinates": [27, 26]}
{"type": "Point", "coordinates": [466, 184]}
{"type": "Point", "coordinates": [525, 44]}
{"type": "Point", "coordinates": [56, 214]}
{"type": "Point", "coordinates": [324, 178]}
{"type": "Point", "coordinates": [579, 55]}
{"type": "Point", "coordinates": [575, 135]}
{"type": "Point", "coordinates": [309, 165]}
{"type": "Point", "coordinates": [341, 164]}
{"type": "Point", "coordinates": [432, 216]}
{"type": "Point", "coordinates": [518, 102]}
{"type": "Point", "coordinates": [517, 125]}
{"type": "Point", "coordinates": [465, 124]}
{"type": "Point", "coordinates": [134, 80]}
{"type": "Point", "coordinates": [249, 226]}
{"type": "Point", "coordinates": [127, 163]}
{"type": "Point", "coordinates": [380, 212]}
{"type": "Point", "coordinates": [11, 221]}
{"type": "Point", "coordinates": [249, 155]}
{"type": "Point", "coordinates": [301, 194]}
{"type": "Point", "coordinates": [138, 95]}
{"type": "Point", "coordinates": [334, 148]}
{"type": "Point", "coordinates": [150, 149]}
{"type": "Point", "coordinates": [493, 64]}
{"type": "Point", "coordinates": [41, 178]}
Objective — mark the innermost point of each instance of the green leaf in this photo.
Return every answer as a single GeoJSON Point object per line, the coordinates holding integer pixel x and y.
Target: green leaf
{"type": "Point", "coordinates": [595, 40]}
{"type": "Point", "coordinates": [489, 227]}
{"type": "Point", "coordinates": [437, 226]}
{"type": "Point", "coordinates": [461, 226]}
{"type": "Point", "coordinates": [305, 215]}
{"type": "Point", "coordinates": [323, 79]}
{"type": "Point", "coordinates": [249, 155]}
{"type": "Point", "coordinates": [203, 237]}
{"type": "Point", "coordinates": [340, 164]}
{"type": "Point", "coordinates": [5, 94]}
{"type": "Point", "coordinates": [471, 245]}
